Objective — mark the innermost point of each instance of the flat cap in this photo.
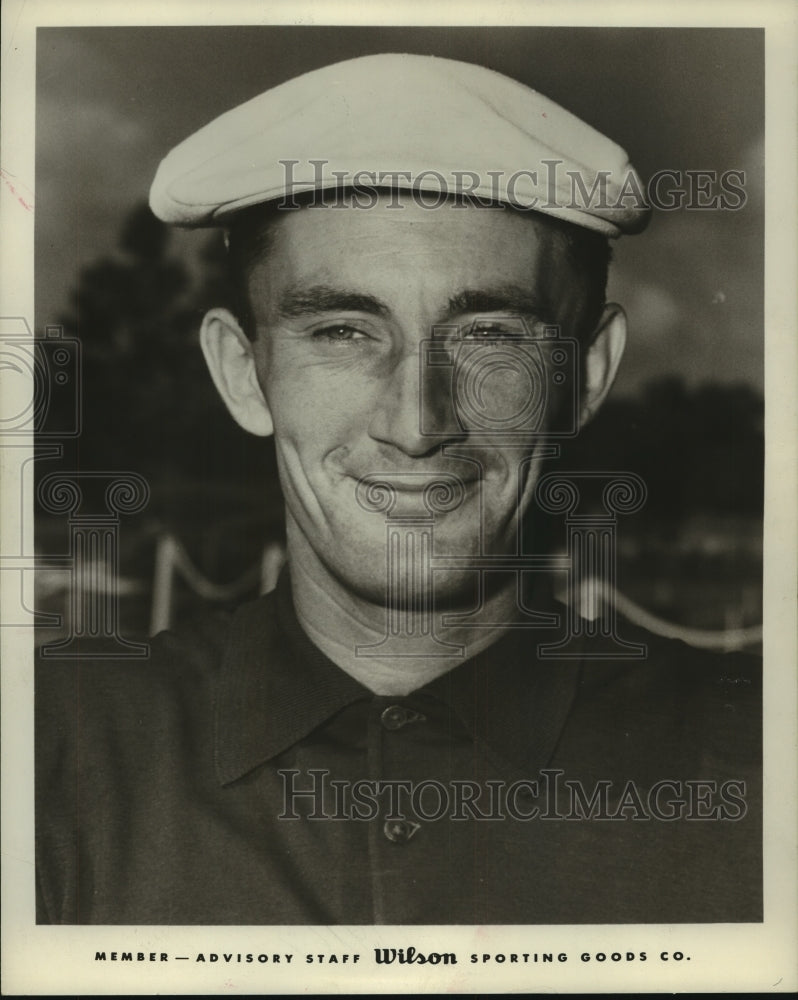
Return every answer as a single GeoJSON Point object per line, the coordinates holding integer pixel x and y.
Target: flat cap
{"type": "Point", "coordinates": [419, 123]}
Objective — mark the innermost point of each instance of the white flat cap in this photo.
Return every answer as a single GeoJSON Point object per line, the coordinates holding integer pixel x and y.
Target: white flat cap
{"type": "Point", "coordinates": [411, 122]}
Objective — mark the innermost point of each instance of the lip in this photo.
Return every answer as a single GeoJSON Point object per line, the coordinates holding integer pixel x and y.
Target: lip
{"type": "Point", "coordinates": [414, 482]}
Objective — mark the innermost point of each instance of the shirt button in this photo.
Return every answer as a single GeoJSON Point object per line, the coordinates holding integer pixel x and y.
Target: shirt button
{"type": "Point", "coordinates": [399, 831]}
{"type": "Point", "coordinates": [396, 716]}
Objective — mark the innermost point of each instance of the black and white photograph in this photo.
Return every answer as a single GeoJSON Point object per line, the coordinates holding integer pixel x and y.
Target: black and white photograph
{"type": "Point", "coordinates": [393, 474]}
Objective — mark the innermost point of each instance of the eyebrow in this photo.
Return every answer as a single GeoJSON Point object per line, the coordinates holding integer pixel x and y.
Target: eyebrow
{"type": "Point", "coordinates": [508, 298]}
{"type": "Point", "coordinates": [502, 298]}
{"type": "Point", "coordinates": [325, 298]}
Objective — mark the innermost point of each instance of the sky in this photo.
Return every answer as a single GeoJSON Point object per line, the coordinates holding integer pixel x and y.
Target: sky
{"type": "Point", "coordinates": [111, 102]}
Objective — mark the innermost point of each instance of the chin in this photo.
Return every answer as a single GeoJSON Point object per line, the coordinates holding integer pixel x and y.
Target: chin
{"type": "Point", "coordinates": [450, 590]}
{"type": "Point", "coordinates": [364, 572]}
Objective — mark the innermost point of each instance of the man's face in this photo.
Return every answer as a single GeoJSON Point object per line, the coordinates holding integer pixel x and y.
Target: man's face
{"type": "Point", "coordinates": [342, 302]}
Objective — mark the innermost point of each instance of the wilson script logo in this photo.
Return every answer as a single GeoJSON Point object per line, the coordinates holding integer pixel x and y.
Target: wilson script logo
{"type": "Point", "coordinates": [409, 956]}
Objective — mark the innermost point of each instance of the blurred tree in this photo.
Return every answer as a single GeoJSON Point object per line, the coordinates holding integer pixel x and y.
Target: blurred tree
{"type": "Point", "coordinates": [699, 450]}
{"type": "Point", "coordinates": [148, 401]}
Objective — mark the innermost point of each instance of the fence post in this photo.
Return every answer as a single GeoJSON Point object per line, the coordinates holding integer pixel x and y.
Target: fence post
{"type": "Point", "coordinates": [163, 583]}
{"type": "Point", "coordinates": [592, 542]}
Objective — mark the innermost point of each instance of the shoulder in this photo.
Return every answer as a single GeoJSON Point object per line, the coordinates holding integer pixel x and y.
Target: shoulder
{"type": "Point", "coordinates": [81, 699]}
{"type": "Point", "coordinates": [187, 653]}
{"type": "Point", "coordinates": [671, 668]}
{"type": "Point", "coordinates": [676, 701]}
{"type": "Point", "coordinates": [173, 660]}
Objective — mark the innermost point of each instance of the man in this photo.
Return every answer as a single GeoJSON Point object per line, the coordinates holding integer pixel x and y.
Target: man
{"type": "Point", "coordinates": [410, 729]}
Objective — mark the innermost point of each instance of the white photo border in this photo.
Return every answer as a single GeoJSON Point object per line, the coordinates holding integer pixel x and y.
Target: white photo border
{"type": "Point", "coordinates": [46, 960]}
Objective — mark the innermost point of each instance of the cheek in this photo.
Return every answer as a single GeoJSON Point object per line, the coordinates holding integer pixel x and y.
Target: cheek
{"type": "Point", "coordinates": [312, 417]}
{"type": "Point", "coordinates": [315, 396]}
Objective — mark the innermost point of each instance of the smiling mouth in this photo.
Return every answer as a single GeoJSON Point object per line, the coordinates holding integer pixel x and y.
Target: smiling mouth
{"type": "Point", "coordinates": [410, 494]}
{"type": "Point", "coordinates": [415, 482]}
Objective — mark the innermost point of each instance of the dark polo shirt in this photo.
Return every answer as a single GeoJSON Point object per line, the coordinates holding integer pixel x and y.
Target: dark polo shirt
{"type": "Point", "coordinates": [239, 777]}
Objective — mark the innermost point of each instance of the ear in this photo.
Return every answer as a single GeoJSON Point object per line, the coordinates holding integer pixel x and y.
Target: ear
{"type": "Point", "coordinates": [230, 356]}
{"type": "Point", "coordinates": [603, 357]}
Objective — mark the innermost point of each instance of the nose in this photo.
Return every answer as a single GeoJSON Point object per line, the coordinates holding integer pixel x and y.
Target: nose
{"type": "Point", "coordinates": [414, 410]}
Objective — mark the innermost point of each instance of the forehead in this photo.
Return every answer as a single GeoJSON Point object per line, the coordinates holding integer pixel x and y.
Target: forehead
{"type": "Point", "coordinates": [394, 246]}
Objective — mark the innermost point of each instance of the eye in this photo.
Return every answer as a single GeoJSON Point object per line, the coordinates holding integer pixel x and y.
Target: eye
{"type": "Point", "coordinates": [491, 329]}
{"type": "Point", "coordinates": [339, 333]}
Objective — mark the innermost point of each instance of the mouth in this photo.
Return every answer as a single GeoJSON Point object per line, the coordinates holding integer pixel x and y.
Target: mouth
{"type": "Point", "coordinates": [414, 482]}
{"type": "Point", "coordinates": [412, 494]}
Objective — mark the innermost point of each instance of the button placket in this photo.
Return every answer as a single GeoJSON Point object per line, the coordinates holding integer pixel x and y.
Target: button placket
{"type": "Point", "coordinates": [399, 831]}
{"type": "Point", "coordinates": [397, 716]}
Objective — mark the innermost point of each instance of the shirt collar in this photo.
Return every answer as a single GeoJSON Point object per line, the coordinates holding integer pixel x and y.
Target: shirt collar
{"type": "Point", "coordinates": [513, 703]}
{"type": "Point", "coordinates": [276, 686]}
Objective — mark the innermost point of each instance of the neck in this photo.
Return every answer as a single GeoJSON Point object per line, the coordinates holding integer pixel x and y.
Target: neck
{"type": "Point", "coordinates": [344, 625]}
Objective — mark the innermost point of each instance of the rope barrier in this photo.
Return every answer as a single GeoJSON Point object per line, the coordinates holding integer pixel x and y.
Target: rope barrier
{"type": "Point", "coordinates": [726, 640]}
{"type": "Point", "coordinates": [171, 558]}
